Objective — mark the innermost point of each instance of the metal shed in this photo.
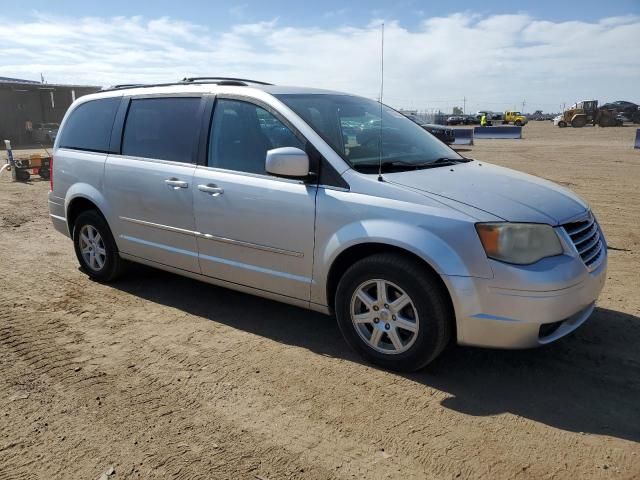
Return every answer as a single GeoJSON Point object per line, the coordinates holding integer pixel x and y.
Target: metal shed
{"type": "Point", "coordinates": [23, 101]}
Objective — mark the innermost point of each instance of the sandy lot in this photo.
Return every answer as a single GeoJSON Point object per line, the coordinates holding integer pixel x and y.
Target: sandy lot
{"type": "Point", "coordinates": [158, 376]}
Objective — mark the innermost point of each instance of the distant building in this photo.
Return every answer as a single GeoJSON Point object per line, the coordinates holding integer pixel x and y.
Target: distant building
{"type": "Point", "coordinates": [26, 103]}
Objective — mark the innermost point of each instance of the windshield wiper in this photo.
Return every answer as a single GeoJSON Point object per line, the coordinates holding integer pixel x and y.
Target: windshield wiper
{"type": "Point", "coordinates": [405, 165]}
{"type": "Point", "coordinates": [448, 161]}
{"type": "Point", "coordinates": [439, 162]}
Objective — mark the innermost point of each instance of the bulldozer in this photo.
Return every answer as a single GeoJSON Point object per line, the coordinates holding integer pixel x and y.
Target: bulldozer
{"type": "Point", "coordinates": [587, 111]}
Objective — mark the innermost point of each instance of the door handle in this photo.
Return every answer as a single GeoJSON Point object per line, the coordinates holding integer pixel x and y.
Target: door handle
{"type": "Point", "coordinates": [175, 183]}
{"type": "Point", "coordinates": [212, 189]}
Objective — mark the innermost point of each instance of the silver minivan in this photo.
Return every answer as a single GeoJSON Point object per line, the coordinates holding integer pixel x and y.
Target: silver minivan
{"type": "Point", "coordinates": [326, 201]}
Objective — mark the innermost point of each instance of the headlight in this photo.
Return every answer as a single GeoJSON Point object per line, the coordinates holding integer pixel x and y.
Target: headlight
{"type": "Point", "coordinates": [519, 243]}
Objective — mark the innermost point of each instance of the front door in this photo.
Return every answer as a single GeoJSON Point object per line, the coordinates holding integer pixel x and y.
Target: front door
{"type": "Point", "coordinates": [254, 229]}
{"type": "Point", "coordinates": [149, 185]}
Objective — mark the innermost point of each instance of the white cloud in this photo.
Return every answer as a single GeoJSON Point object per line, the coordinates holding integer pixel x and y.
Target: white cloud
{"type": "Point", "coordinates": [496, 61]}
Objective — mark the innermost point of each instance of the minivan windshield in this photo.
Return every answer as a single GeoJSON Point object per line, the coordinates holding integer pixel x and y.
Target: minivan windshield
{"type": "Point", "coordinates": [366, 134]}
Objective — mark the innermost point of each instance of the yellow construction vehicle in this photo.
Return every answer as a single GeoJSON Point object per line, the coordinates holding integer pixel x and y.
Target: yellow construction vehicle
{"type": "Point", "coordinates": [581, 113]}
{"type": "Point", "coordinates": [514, 117]}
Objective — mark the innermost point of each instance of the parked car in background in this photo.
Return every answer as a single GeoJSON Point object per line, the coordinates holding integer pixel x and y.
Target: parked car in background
{"type": "Point", "coordinates": [253, 187]}
{"type": "Point", "coordinates": [455, 120]}
{"type": "Point", "coordinates": [470, 120]}
{"type": "Point", "coordinates": [441, 132]}
{"type": "Point", "coordinates": [490, 115]}
{"type": "Point", "coordinates": [539, 116]}
{"type": "Point", "coordinates": [45, 132]}
{"type": "Point", "coordinates": [444, 134]}
{"type": "Point", "coordinates": [625, 111]}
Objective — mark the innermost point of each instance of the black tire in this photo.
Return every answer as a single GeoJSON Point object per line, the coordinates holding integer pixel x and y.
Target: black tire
{"type": "Point", "coordinates": [562, 124]}
{"type": "Point", "coordinates": [579, 122]}
{"type": "Point", "coordinates": [517, 123]}
{"type": "Point", "coordinates": [428, 295]}
{"type": "Point", "coordinates": [44, 173]}
{"type": "Point", "coordinates": [113, 265]}
{"type": "Point", "coordinates": [22, 175]}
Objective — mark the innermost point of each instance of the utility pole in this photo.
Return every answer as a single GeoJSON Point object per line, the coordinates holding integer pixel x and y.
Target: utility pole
{"type": "Point", "coordinates": [523, 104]}
{"type": "Point", "coordinates": [464, 105]}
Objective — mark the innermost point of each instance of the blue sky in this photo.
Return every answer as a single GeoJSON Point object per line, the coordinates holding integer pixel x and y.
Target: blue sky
{"type": "Point", "coordinates": [494, 54]}
{"type": "Point", "coordinates": [327, 12]}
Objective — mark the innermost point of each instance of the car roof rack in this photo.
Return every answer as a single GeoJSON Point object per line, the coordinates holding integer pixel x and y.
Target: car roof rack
{"type": "Point", "coordinates": [124, 85]}
{"type": "Point", "coordinates": [240, 82]}
{"type": "Point", "coordinates": [223, 80]}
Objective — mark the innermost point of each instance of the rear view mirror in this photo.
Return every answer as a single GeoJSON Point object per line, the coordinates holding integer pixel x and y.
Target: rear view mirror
{"type": "Point", "coordinates": [287, 162]}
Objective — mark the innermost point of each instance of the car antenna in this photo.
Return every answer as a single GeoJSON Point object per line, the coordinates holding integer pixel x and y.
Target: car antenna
{"type": "Point", "coordinates": [380, 179]}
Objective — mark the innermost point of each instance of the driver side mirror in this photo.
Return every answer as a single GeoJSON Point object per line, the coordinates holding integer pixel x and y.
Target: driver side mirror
{"type": "Point", "coordinates": [287, 162]}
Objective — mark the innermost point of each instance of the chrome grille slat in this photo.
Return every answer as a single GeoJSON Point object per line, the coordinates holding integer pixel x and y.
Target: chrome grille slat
{"type": "Point", "coordinates": [593, 255]}
{"type": "Point", "coordinates": [590, 244]}
{"type": "Point", "coordinates": [586, 236]}
{"type": "Point", "coordinates": [587, 240]}
{"type": "Point", "coordinates": [583, 226]}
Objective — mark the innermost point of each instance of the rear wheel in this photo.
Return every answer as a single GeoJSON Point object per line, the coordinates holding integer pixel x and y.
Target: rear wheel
{"type": "Point", "coordinates": [517, 123]}
{"type": "Point", "coordinates": [393, 312]}
{"type": "Point", "coordinates": [95, 247]}
{"type": "Point", "coordinates": [44, 173]}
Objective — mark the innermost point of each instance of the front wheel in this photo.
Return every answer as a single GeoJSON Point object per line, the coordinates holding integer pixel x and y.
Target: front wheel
{"type": "Point", "coordinates": [562, 124]}
{"type": "Point", "coordinates": [393, 312]}
{"type": "Point", "coordinates": [579, 121]}
{"type": "Point", "coordinates": [95, 247]}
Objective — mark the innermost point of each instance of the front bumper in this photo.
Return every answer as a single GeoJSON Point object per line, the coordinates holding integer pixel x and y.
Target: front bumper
{"type": "Point", "coordinates": [489, 314]}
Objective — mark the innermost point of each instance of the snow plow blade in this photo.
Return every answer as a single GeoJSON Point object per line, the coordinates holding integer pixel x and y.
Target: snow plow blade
{"type": "Point", "coordinates": [637, 144]}
{"type": "Point", "coordinates": [498, 132]}
{"type": "Point", "coordinates": [463, 136]}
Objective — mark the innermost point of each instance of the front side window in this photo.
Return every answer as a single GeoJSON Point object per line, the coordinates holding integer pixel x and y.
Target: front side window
{"type": "Point", "coordinates": [365, 133]}
{"type": "Point", "coordinates": [242, 133]}
{"type": "Point", "coordinates": [89, 125]}
{"type": "Point", "coordinates": [162, 128]}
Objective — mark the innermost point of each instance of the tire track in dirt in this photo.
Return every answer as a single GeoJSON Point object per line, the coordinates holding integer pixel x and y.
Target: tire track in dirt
{"type": "Point", "coordinates": [155, 394]}
{"type": "Point", "coordinates": [160, 391]}
{"type": "Point", "coordinates": [26, 342]}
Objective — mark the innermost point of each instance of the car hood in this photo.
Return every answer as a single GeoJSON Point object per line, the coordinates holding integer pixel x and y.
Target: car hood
{"type": "Point", "coordinates": [502, 192]}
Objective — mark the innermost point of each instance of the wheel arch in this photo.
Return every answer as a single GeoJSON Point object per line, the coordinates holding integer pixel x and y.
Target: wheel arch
{"type": "Point", "coordinates": [354, 253]}
{"type": "Point", "coordinates": [81, 198]}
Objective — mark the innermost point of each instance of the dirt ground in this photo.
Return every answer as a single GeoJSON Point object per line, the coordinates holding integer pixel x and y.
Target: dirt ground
{"type": "Point", "coordinates": [158, 376]}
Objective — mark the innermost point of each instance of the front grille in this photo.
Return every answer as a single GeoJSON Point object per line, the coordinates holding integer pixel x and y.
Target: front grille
{"type": "Point", "coordinates": [587, 239]}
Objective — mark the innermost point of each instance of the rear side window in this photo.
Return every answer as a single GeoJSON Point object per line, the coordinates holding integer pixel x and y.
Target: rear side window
{"type": "Point", "coordinates": [89, 125]}
{"type": "Point", "coordinates": [162, 128]}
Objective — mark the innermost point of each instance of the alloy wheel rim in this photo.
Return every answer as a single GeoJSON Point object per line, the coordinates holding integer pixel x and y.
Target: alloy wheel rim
{"type": "Point", "coordinates": [384, 316]}
{"type": "Point", "coordinates": [92, 248]}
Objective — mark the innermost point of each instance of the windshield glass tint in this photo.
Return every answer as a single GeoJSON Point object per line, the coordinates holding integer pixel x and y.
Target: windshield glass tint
{"type": "Point", "coordinates": [354, 127]}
